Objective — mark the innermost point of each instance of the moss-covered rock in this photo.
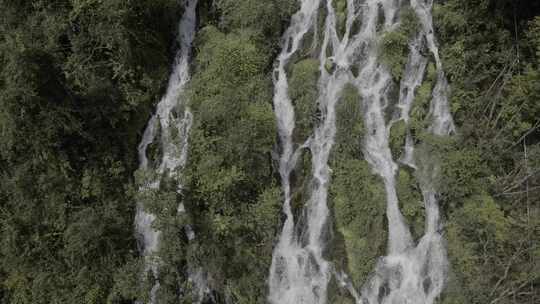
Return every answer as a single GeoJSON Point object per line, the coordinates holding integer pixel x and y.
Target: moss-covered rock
{"type": "Point", "coordinates": [358, 202]}
{"type": "Point", "coordinates": [420, 109]}
{"type": "Point", "coordinates": [394, 45]}
{"type": "Point", "coordinates": [340, 7]}
{"type": "Point", "coordinates": [411, 201]}
{"type": "Point", "coordinates": [349, 123]}
{"type": "Point", "coordinates": [419, 120]}
{"type": "Point", "coordinates": [356, 196]}
{"type": "Point", "coordinates": [337, 294]}
{"type": "Point", "coordinates": [300, 183]}
{"type": "Point", "coordinates": [398, 134]}
{"type": "Point", "coordinates": [303, 93]}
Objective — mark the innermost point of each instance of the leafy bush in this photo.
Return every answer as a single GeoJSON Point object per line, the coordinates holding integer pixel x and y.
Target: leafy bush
{"type": "Point", "coordinates": [394, 45]}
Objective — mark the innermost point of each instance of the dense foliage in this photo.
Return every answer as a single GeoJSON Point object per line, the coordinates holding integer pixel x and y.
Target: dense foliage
{"type": "Point", "coordinates": [78, 81]}
{"type": "Point", "coordinates": [231, 192]}
{"type": "Point", "coordinates": [490, 186]}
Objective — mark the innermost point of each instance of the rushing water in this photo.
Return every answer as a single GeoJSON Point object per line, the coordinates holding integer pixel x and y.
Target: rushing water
{"type": "Point", "coordinates": [290, 276]}
{"type": "Point", "coordinates": [411, 272]}
{"type": "Point", "coordinates": [169, 127]}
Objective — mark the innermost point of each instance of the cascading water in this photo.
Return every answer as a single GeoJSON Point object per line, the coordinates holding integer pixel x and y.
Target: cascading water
{"type": "Point", "coordinates": [290, 276]}
{"type": "Point", "coordinates": [414, 274]}
{"type": "Point", "coordinates": [170, 125]}
{"type": "Point", "coordinates": [409, 274]}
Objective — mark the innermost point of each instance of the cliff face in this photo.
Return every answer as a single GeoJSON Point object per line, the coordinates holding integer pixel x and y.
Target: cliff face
{"type": "Point", "coordinates": [314, 151]}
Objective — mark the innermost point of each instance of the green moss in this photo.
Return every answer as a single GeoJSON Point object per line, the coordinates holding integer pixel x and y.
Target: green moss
{"type": "Point", "coordinates": [460, 169]}
{"type": "Point", "coordinates": [357, 197]}
{"type": "Point", "coordinates": [321, 18]}
{"type": "Point", "coordinates": [338, 295]}
{"type": "Point", "coordinates": [398, 133]}
{"type": "Point", "coordinates": [263, 18]}
{"type": "Point", "coordinates": [341, 16]}
{"type": "Point", "coordinates": [410, 198]}
{"type": "Point", "coordinates": [358, 202]}
{"type": "Point", "coordinates": [303, 92]}
{"type": "Point", "coordinates": [420, 109]}
{"type": "Point", "coordinates": [431, 72]}
{"type": "Point", "coordinates": [422, 99]}
{"type": "Point", "coordinates": [300, 181]}
{"type": "Point", "coordinates": [391, 100]}
{"type": "Point", "coordinates": [309, 46]}
{"type": "Point", "coordinates": [409, 22]}
{"type": "Point", "coordinates": [394, 45]}
{"type": "Point", "coordinates": [349, 122]}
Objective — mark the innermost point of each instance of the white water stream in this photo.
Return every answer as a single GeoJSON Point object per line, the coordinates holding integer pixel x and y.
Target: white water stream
{"type": "Point", "coordinates": [410, 273]}
{"type": "Point", "coordinates": [170, 126]}
{"type": "Point", "coordinates": [291, 276]}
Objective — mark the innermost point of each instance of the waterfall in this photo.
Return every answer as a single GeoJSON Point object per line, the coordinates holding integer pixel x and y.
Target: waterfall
{"type": "Point", "coordinates": [169, 127]}
{"type": "Point", "coordinates": [411, 272]}
{"type": "Point", "coordinates": [290, 276]}
{"type": "Point", "coordinates": [414, 274]}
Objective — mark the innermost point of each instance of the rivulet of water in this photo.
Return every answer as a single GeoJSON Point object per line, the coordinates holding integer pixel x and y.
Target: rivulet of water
{"type": "Point", "coordinates": [169, 126]}
{"type": "Point", "coordinates": [288, 281]}
{"type": "Point", "coordinates": [414, 273]}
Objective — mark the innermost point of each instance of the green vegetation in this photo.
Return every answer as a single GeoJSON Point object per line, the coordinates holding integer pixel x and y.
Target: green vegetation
{"type": "Point", "coordinates": [340, 7]}
{"type": "Point", "coordinates": [359, 206]}
{"type": "Point", "coordinates": [77, 81]}
{"type": "Point", "coordinates": [489, 174]}
{"type": "Point", "coordinates": [230, 178]}
{"type": "Point", "coordinates": [398, 135]}
{"type": "Point", "coordinates": [231, 193]}
{"type": "Point", "coordinates": [420, 107]}
{"type": "Point", "coordinates": [304, 94]}
{"type": "Point", "coordinates": [412, 202]}
{"type": "Point", "coordinates": [395, 43]}
{"type": "Point", "coordinates": [349, 122]}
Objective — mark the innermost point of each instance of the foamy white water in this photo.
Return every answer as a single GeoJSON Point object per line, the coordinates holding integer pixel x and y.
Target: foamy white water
{"type": "Point", "coordinates": [288, 281]}
{"type": "Point", "coordinates": [416, 273]}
